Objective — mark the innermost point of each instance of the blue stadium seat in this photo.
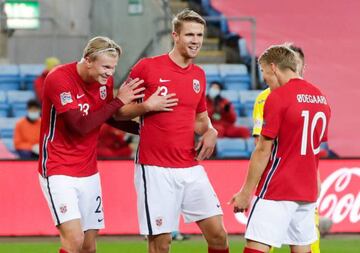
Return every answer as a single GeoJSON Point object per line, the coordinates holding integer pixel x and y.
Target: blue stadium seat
{"type": "Point", "coordinates": [233, 97]}
{"type": "Point", "coordinates": [4, 107]}
{"type": "Point", "coordinates": [19, 96]}
{"type": "Point", "coordinates": [247, 99]}
{"type": "Point", "coordinates": [231, 147]}
{"type": "Point", "coordinates": [7, 126]}
{"type": "Point", "coordinates": [233, 69]}
{"type": "Point", "coordinates": [9, 144]}
{"type": "Point", "coordinates": [245, 121]}
{"type": "Point", "coordinates": [28, 73]}
{"type": "Point", "coordinates": [9, 77]}
{"type": "Point", "coordinates": [212, 73]}
{"type": "Point", "coordinates": [18, 110]}
{"type": "Point", "coordinates": [250, 144]}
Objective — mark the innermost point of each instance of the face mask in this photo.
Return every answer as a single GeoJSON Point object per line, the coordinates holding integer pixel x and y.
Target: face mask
{"type": "Point", "coordinates": [33, 115]}
{"type": "Point", "coordinates": [213, 93]}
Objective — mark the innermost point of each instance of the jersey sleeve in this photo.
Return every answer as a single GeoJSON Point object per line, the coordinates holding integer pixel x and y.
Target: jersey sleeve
{"type": "Point", "coordinates": [139, 70]}
{"type": "Point", "coordinates": [273, 114]}
{"type": "Point", "coordinates": [202, 103]}
{"type": "Point", "coordinates": [258, 115]}
{"type": "Point", "coordinates": [60, 91]}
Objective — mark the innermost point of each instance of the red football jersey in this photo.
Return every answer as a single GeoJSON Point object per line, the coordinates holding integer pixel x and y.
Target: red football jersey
{"type": "Point", "coordinates": [296, 116]}
{"type": "Point", "coordinates": [167, 138]}
{"type": "Point", "coordinates": [63, 152]}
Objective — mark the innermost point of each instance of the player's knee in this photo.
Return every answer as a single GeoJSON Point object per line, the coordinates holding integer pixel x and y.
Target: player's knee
{"type": "Point", "coordinates": [88, 249]}
{"type": "Point", "coordinates": [163, 246]}
{"type": "Point", "coordinates": [75, 242]}
{"type": "Point", "coordinates": [218, 239]}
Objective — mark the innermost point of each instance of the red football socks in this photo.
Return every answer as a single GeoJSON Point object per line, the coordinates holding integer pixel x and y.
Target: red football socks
{"type": "Point", "coordinates": [248, 250]}
{"type": "Point", "coordinates": [62, 251]}
{"type": "Point", "coordinates": [210, 250]}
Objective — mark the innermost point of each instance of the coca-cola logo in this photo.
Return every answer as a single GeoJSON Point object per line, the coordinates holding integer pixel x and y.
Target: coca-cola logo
{"type": "Point", "coordinates": [340, 197]}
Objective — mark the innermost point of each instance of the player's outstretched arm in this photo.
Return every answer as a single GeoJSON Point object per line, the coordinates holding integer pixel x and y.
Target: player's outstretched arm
{"type": "Point", "coordinates": [155, 103]}
{"type": "Point", "coordinates": [83, 124]}
{"type": "Point", "coordinates": [258, 161]}
{"type": "Point", "coordinates": [203, 127]}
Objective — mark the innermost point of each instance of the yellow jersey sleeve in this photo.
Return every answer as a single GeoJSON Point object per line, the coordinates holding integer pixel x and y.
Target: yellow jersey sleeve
{"type": "Point", "coordinates": [258, 112]}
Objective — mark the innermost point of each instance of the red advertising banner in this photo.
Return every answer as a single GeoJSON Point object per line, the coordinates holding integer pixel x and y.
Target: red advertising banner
{"type": "Point", "coordinates": [24, 211]}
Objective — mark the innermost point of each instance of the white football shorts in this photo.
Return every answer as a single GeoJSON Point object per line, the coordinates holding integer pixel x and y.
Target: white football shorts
{"type": "Point", "coordinates": [281, 222]}
{"type": "Point", "coordinates": [72, 198]}
{"type": "Point", "coordinates": [165, 193]}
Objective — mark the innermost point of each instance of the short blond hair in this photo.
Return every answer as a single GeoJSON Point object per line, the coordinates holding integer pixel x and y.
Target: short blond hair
{"type": "Point", "coordinates": [100, 44]}
{"type": "Point", "coordinates": [282, 56]}
{"type": "Point", "coordinates": [186, 15]}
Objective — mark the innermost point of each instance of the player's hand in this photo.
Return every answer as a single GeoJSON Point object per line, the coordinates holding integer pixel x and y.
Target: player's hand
{"type": "Point", "coordinates": [157, 102]}
{"type": "Point", "coordinates": [206, 144]}
{"type": "Point", "coordinates": [129, 91]}
{"type": "Point", "coordinates": [241, 201]}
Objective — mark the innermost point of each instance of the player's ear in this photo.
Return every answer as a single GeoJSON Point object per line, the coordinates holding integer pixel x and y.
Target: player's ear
{"type": "Point", "coordinates": [88, 62]}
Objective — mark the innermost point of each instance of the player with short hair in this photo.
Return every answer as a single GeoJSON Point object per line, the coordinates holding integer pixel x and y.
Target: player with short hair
{"type": "Point", "coordinates": [78, 99]}
{"type": "Point", "coordinates": [168, 178]}
{"type": "Point", "coordinates": [284, 163]}
{"type": "Point", "coordinates": [258, 118]}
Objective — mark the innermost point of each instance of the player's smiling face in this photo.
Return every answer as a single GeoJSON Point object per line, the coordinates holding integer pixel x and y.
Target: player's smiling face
{"type": "Point", "coordinates": [189, 40]}
{"type": "Point", "coordinates": [102, 67]}
{"type": "Point", "coordinates": [268, 71]}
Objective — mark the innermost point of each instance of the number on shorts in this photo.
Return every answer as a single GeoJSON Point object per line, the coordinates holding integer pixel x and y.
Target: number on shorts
{"type": "Point", "coordinates": [98, 209]}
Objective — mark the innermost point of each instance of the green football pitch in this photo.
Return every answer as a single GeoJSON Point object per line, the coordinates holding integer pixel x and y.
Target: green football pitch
{"type": "Point", "coordinates": [331, 244]}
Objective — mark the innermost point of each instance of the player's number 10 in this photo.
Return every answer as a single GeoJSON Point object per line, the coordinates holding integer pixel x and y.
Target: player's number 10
{"type": "Point", "coordinates": [304, 140]}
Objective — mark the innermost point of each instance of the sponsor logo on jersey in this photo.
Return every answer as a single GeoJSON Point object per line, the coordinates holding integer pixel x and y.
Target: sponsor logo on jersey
{"type": "Point", "coordinates": [103, 93]}
{"type": "Point", "coordinates": [65, 98]}
{"type": "Point", "coordinates": [79, 96]}
{"type": "Point", "coordinates": [196, 85]}
{"type": "Point", "coordinates": [63, 208]}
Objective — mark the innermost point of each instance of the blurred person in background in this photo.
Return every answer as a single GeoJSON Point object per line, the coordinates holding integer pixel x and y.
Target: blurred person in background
{"type": "Point", "coordinates": [50, 63]}
{"type": "Point", "coordinates": [113, 143]}
{"type": "Point", "coordinates": [27, 132]}
{"type": "Point", "coordinates": [222, 113]}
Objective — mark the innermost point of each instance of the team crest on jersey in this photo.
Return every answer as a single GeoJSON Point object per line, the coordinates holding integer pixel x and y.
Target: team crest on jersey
{"type": "Point", "coordinates": [159, 221]}
{"type": "Point", "coordinates": [103, 92]}
{"type": "Point", "coordinates": [196, 85]}
{"type": "Point", "coordinates": [63, 208]}
{"type": "Point", "coordinates": [65, 98]}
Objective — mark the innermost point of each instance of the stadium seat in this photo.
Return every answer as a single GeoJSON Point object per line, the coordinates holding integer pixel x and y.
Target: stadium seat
{"type": "Point", "coordinates": [231, 147]}
{"type": "Point", "coordinates": [233, 70]}
{"type": "Point", "coordinates": [7, 126]}
{"type": "Point", "coordinates": [212, 72]}
{"type": "Point", "coordinates": [4, 107]}
{"type": "Point", "coordinates": [19, 96]}
{"type": "Point", "coordinates": [245, 121]}
{"type": "Point", "coordinates": [247, 99]}
{"type": "Point", "coordinates": [18, 110]}
{"type": "Point", "coordinates": [9, 144]}
{"type": "Point", "coordinates": [250, 144]}
{"type": "Point", "coordinates": [233, 97]}
{"type": "Point", "coordinates": [9, 77]}
{"type": "Point", "coordinates": [28, 73]}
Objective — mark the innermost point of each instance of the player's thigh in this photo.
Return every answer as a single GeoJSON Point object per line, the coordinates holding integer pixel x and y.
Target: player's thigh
{"type": "Point", "coordinates": [302, 228]}
{"type": "Point", "coordinates": [71, 234]}
{"type": "Point", "coordinates": [91, 202]}
{"type": "Point", "coordinates": [61, 195]}
{"type": "Point", "coordinates": [269, 220]}
{"type": "Point", "coordinates": [89, 244]}
{"type": "Point", "coordinates": [200, 200]}
{"type": "Point", "coordinates": [158, 199]}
